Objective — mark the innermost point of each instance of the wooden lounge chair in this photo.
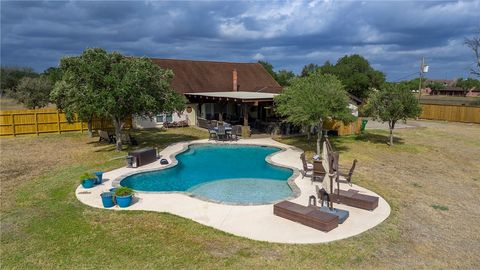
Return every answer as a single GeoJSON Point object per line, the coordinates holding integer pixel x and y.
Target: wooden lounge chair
{"type": "Point", "coordinates": [353, 198]}
{"type": "Point", "coordinates": [308, 216]}
{"type": "Point", "coordinates": [307, 167]}
{"type": "Point", "coordinates": [312, 202]}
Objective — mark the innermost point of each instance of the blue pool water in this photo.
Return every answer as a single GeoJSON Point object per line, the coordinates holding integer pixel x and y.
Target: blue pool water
{"type": "Point", "coordinates": [226, 173]}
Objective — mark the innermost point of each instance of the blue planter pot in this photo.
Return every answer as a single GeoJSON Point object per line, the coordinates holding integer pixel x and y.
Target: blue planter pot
{"type": "Point", "coordinates": [99, 177]}
{"type": "Point", "coordinates": [107, 199]}
{"type": "Point", "coordinates": [113, 192]}
{"type": "Point", "coordinates": [124, 201]}
{"type": "Point", "coordinates": [88, 183]}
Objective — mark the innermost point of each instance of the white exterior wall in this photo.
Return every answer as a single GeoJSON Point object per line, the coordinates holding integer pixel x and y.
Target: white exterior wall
{"type": "Point", "coordinates": [141, 123]}
{"type": "Point", "coordinates": [353, 109]}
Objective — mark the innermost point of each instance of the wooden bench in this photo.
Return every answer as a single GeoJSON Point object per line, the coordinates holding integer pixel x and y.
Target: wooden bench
{"type": "Point", "coordinates": [309, 216]}
{"type": "Point", "coordinates": [351, 197]}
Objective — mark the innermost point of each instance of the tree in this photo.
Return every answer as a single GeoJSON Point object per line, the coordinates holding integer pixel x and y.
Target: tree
{"type": "Point", "coordinates": [468, 83]}
{"type": "Point", "coordinates": [284, 77]}
{"type": "Point", "coordinates": [413, 84]}
{"type": "Point", "coordinates": [391, 103]}
{"type": "Point", "coordinates": [137, 86]}
{"type": "Point", "coordinates": [309, 69]}
{"type": "Point", "coordinates": [474, 45]}
{"type": "Point", "coordinates": [356, 74]}
{"type": "Point", "coordinates": [33, 92]}
{"type": "Point", "coordinates": [311, 100]}
{"type": "Point", "coordinates": [110, 85]}
{"type": "Point", "coordinates": [269, 68]}
{"type": "Point", "coordinates": [11, 76]}
{"type": "Point", "coordinates": [435, 85]}
{"type": "Point", "coordinates": [54, 74]}
{"type": "Point", "coordinates": [78, 92]}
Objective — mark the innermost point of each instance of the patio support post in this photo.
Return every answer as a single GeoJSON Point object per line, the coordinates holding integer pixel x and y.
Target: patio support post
{"type": "Point", "coordinates": [245, 114]}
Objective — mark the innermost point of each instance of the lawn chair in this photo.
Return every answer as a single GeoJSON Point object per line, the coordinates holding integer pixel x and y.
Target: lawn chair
{"type": "Point", "coordinates": [221, 133]}
{"type": "Point", "coordinates": [307, 167]}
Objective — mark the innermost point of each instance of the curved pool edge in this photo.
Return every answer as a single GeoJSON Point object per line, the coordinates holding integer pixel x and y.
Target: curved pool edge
{"type": "Point", "coordinates": [254, 222]}
{"type": "Point", "coordinates": [186, 145]}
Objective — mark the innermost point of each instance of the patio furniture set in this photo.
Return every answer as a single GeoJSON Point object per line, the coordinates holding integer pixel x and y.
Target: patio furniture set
{"type": "Point", "coordinates": [222, 131]}
{"type": "Point", "coordinates": [325, 217]}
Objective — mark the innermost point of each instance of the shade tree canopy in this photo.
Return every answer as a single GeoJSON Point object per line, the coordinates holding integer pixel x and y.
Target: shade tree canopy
{"type": "Point", "coordinates": [392, 103]}
{"type": "Point", "coordinates": [313, 99]}
{"type": "Point", "coordinates": [110, 85]}
{"type": "Point", "coordinates": [33, 93]}
{"type": "Point", "coordinates": [11, 76]}
{"type": "Point", "coordinates": [356, 74]}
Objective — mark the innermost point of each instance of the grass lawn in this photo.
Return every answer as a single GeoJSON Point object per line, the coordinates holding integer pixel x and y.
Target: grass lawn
{"type": "Point", "coordinates": [431, 179]}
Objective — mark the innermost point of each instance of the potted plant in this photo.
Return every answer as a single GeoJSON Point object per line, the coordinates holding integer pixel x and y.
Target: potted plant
{"type": "Point", "coordinates": [107, 199]}
{"type": "Point", "coordinates": [123, 196]}
{"type": "Point", "coordinates": [99, 175]}
{"type": "Point", "coordinates": [88, 180]}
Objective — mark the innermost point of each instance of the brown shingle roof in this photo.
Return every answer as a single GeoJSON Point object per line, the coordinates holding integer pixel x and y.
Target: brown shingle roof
{"type": "Point", "coordinates": [205, 76]}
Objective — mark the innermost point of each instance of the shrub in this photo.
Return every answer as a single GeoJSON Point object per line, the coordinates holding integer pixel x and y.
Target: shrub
{"type": "Point", "coordinates": [123, 191]}
{"type": "Point", "coordinates": [87, 176]}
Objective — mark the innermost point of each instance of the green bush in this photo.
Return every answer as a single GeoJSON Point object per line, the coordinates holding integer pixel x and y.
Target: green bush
{"type": "Point", "coordinates": [86, 176]}
{"type": "Point", "coordinates": [123, 191]}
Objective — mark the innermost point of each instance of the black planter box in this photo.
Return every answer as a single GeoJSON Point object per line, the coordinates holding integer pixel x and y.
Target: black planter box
{"type": "Point", "coordinates": [144, 155]}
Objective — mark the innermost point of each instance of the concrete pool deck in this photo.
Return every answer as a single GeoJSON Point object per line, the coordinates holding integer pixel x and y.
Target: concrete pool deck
{"type": "Point", "coordinates": [255, 222]}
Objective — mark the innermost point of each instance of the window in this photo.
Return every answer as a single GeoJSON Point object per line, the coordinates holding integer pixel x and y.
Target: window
{"type": "Point", "coordinates": [164, 117]}
{"type": "Point", "coordinates": [169, 117]}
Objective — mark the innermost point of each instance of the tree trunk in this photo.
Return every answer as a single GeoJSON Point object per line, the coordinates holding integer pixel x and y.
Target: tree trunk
{"type": "Point", "coordinates": [391, 125]}
{"type": "Point", "coordinates": [118, 124]}
{"type": "Point", "coordinates": [319, 137]}
{"type": "Point", "coordinates": [309, 135]}
{"type": "Point", "coordinates": [90, 127]}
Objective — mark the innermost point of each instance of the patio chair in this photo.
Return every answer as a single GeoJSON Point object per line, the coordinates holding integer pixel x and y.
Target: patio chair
{"type": "Point", "coordinates": [236, 131]}
{"type": "Point", "coordinates": [348, 177]}
{"type": "Point", "coordinates": [212, 134]}
{"type": "Point", "coordinates": [319, 171]}
{"type": "Point", "coordinates": [221, 133]}
{"type": "Point", "coordinates": [307, 167]}
{"type": "Point", "coordinates": [105, 136]}
{"type": "Point", "coordinates": [128, 139]}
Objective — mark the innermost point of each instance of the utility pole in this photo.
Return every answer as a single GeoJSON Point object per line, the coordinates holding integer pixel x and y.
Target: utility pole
{"type": "Point", "coordinates": [423, 69]}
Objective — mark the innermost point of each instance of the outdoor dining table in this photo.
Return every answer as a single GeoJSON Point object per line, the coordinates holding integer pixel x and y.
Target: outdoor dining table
{"type": "Point", "coordinates": [227, 128]}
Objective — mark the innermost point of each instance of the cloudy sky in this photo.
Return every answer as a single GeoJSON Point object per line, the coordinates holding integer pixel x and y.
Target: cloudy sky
{"type": "Point", "coordinates": [392, 35]}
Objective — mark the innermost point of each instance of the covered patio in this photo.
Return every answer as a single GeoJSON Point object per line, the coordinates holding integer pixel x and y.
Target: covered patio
{"type": "Point", "coordinates": [250, 109]}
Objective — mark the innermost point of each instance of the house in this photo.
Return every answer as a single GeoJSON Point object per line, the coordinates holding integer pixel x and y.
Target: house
{"type": "Point", "coordinates": [240, 93]}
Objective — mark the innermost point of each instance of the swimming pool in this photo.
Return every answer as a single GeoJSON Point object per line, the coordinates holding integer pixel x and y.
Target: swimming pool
{"type": "Point", "coordinates": [237, 174]}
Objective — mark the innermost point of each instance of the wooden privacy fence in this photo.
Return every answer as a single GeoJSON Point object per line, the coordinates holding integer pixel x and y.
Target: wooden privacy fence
{"type": "Point", "coordinates": [454, 113]}
{"type": "Point", "coordinates": [342, 129]}
{"type": "Point", "coordinates": [24, 122]}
